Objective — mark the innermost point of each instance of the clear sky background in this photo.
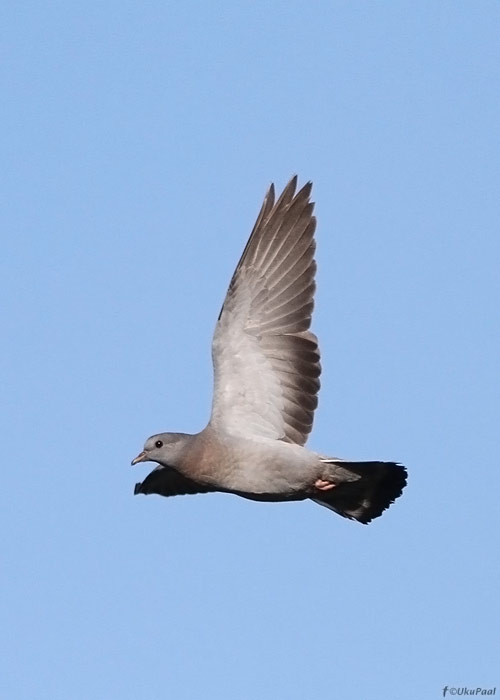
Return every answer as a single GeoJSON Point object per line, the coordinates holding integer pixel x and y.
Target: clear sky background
{"type": "Point", "coordinates": [138, 140]}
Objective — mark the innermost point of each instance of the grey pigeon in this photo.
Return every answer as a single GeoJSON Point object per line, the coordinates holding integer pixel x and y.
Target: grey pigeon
{"type": "Point", "coordinates": [266, 368]}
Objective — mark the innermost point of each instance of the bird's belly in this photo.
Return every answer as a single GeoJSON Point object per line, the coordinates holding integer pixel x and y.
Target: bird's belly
{"type": "Point", "coordinates": [264, 470]}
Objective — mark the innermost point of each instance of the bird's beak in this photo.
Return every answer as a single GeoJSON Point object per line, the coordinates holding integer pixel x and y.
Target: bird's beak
{"type": "Point", "coordinates": [140, 458]}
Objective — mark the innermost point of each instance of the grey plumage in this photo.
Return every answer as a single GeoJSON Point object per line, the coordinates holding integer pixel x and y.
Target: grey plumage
{"type": "Point", "coordinates": [265, 320]}
{"type": "Point", "coordinates": [266, 381]}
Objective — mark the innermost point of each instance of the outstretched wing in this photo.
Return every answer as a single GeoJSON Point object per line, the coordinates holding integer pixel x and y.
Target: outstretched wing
{"type": "Point", "coordinates": [266, 361]}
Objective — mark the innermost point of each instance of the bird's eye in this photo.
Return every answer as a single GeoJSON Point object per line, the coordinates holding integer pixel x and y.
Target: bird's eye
{"type": "Point", "coordinates": [158, 443]}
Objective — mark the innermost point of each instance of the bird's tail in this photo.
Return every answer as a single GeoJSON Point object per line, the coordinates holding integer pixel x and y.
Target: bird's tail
{"type": "Point", "coordinates": [363, 490]}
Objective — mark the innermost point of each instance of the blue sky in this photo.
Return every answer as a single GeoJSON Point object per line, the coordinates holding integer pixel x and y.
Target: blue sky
{"type": "Point", "coordinates": [138, 140]}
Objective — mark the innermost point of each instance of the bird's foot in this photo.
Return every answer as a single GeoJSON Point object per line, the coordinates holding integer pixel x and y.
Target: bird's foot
{"type": "Point", "coordinates": [324, 485]}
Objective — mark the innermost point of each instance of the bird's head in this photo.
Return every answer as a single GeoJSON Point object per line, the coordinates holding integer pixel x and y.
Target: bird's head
{"type": "Point", "coordinates": [164, 448]}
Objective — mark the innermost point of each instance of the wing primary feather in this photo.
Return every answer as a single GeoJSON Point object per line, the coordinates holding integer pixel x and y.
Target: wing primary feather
{"type": "Point", "coordinates": [285, 232]}
{"type": "Point", "coordinates": [266, 208]}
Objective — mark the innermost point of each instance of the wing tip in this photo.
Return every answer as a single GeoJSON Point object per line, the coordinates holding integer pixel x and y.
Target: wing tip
{"type": "Point", "coordinates": [306, 190]}
{"type": "Point", "coordinates": [289, 192]}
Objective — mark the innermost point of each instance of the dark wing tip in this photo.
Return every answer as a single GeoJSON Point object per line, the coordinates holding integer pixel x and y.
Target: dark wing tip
{"type": "Point", "coordinates": [137, 488]}
{"type": "Point", "coordinates": [305, 191]}
{"type": "Point", "coordinates": [268, 203]}
{"type": "Point", "coordinates": [287, 195]}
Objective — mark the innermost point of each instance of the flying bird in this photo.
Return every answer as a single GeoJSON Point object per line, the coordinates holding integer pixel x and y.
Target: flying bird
{"type": "Point", "coordinates": [266, 381]}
